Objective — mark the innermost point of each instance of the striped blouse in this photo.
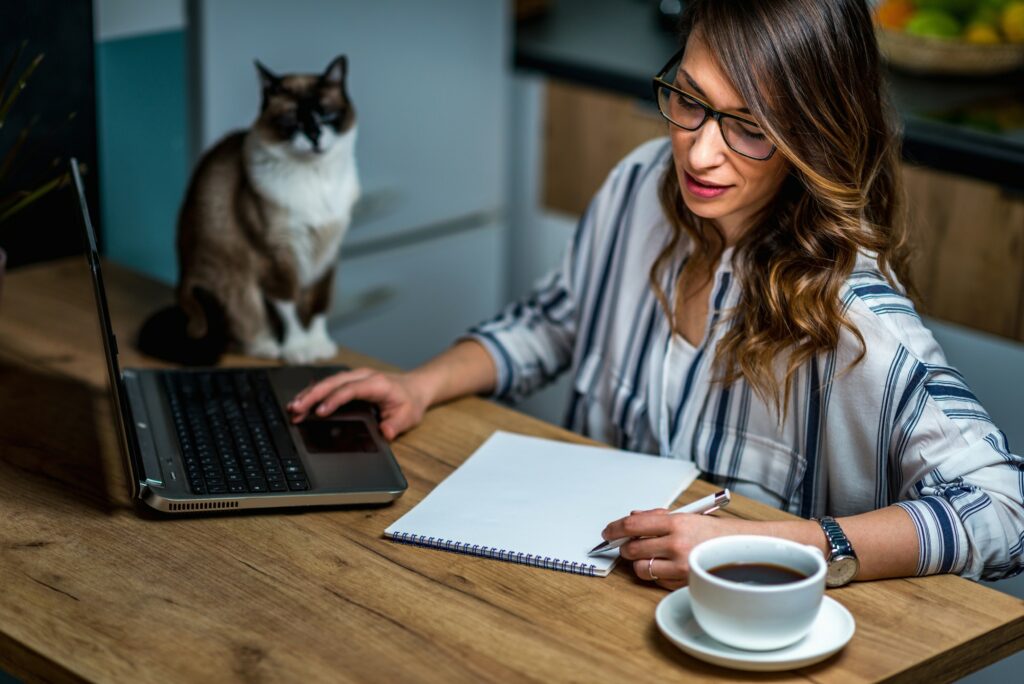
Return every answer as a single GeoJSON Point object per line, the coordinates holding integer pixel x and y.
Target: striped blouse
{"type": "Point", "coordinates": [901, 427]}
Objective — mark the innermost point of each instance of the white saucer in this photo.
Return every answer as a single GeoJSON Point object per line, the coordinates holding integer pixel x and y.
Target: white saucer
{"type": "Point", "coordinates": [832, 629]}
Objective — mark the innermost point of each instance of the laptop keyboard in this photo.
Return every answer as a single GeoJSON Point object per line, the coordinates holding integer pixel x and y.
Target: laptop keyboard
{"type": "Point", "coordinates": [232, 433]}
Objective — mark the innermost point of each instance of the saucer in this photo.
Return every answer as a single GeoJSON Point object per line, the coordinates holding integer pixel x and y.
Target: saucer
{"type": "Point", "coordinates": [832, 629]}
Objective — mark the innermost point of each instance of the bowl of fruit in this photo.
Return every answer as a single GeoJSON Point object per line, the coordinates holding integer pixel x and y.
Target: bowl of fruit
{"type": "Point", "coordinates": [965, 37]}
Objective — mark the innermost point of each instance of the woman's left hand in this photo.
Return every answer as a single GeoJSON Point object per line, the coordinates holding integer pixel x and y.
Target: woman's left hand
{"type": "Point", "coordinates": [667, 539]}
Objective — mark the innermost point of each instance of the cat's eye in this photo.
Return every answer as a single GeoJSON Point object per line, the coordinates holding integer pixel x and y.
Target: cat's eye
{"type": "Point", "coordinates": [286, 121]}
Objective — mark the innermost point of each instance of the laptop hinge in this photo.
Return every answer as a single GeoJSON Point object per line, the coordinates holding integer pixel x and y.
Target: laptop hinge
{"type": "Point", "coordinates": [138, 426]}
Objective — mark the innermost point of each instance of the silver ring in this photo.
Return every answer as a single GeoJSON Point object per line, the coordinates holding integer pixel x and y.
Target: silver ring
{"type": "Point", "coordinates": [650, 569]}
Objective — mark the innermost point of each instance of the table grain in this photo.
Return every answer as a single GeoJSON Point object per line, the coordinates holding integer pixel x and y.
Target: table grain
{"type": "Point", "coordinates": [95, 590]}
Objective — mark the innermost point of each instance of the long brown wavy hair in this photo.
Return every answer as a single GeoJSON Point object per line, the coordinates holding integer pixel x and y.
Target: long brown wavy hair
{"type": "Point", "coordinates": [809, 73]}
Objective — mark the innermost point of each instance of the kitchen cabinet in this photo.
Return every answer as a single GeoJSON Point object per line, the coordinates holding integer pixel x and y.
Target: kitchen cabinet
{"type": "Point", "coordinates": [588, 131]}
{"type": "Point", "coordinates": [969, 262]}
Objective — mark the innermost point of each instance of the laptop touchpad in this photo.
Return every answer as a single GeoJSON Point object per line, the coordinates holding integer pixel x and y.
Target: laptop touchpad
{"type": "Point", "coordinates": [336, 436]}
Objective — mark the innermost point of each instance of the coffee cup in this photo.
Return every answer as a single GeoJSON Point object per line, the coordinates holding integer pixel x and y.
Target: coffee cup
{"type": "Point", "coordinates": [754, 592]}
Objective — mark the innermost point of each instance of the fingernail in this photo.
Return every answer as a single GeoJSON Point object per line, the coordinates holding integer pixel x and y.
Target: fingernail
{"type": "Point", "coordinates": [322, 410]}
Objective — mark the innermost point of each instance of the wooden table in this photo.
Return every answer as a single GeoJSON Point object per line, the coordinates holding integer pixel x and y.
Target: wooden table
{"type": "Point", "coordinates": [91, 590]}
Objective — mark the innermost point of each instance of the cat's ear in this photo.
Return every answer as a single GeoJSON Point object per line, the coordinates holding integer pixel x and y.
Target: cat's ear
{"type": "Point", "coordinates": [336, 70]}
{"type": "Point", "coordinates": [268, 80]}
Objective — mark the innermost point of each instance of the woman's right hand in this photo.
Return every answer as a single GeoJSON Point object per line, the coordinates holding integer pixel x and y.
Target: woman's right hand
{"type": "Point", "coordinates": [401, 401]}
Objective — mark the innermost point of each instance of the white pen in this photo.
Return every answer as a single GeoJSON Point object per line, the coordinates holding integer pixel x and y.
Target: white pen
{"type": "Point", "coordinates": [709, 504]}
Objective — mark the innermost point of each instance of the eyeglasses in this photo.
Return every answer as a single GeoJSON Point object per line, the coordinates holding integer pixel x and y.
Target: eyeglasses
{"type": "Point", "coordinates": [743, 136]}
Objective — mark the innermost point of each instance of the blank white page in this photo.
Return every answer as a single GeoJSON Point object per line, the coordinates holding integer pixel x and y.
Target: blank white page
{"type": "Point", "coordinates": [540, 502]}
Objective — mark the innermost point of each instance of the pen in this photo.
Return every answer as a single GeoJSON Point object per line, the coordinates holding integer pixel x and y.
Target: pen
{"type": "Point", "coordinates": [709, 504]}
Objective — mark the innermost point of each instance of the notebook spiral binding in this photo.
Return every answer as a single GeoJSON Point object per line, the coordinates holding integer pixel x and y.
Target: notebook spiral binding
{"type": "Point", "coordinates": [493, 552]}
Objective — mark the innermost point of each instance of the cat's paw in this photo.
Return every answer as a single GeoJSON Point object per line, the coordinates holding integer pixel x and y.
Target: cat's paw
{"type": "Point", "coordinates": [263, 347]}
{"type": "Point", "coordinates": [321, 346]}
{"type": "Point", "coordinates": [309, 349]}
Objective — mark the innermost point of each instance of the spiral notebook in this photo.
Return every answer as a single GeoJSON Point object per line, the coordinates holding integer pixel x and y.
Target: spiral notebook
{"type": "Point", "coordinates": [540, 502]}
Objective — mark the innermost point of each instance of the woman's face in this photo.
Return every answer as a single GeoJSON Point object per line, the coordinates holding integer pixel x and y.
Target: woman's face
{"type": "Point", "coordinates": [718, 183]}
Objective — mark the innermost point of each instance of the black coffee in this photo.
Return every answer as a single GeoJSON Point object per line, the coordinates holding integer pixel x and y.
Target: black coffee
{"type": "Point", "coordinates": [757, 573]}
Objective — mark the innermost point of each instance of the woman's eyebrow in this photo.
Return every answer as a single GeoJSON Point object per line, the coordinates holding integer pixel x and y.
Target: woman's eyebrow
{"type": "Point", "coordinates": [700, 91]}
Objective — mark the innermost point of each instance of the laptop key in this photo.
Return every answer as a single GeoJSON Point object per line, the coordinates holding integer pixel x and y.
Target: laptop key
{"type": "Point", "coordinates": [233, 434]}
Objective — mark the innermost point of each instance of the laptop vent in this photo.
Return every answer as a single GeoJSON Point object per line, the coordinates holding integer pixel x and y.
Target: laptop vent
{"type": "Point", "coordinates": [203, 505]}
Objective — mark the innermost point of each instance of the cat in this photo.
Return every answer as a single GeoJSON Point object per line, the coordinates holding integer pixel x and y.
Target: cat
{"type": "Point", "coordinates": [261, 227]}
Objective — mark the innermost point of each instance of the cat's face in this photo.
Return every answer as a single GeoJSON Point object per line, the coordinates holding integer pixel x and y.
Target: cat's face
{"type": "Point", "coordinates": [305, 114]}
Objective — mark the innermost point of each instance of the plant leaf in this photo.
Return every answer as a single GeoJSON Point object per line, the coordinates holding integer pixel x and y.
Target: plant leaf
{"type": "Point", "coordinates": [10, 199]}
{"type": "Point", "coordinates": [33, 196]}
{"type": "Point", "coordinates": [8, 158]}
{"type": "Point", "coordinates": [18, 87]}
{"type": "Point", "coordinates": [9, 69]}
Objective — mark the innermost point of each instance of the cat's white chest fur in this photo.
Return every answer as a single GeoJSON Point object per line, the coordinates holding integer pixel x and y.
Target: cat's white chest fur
{"type": "Point", "coordinates": [317, 194]}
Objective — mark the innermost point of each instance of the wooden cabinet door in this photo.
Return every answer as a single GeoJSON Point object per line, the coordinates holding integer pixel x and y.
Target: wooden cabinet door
{"type": "Point", "coordinates": [969, 244]}
{"type": "Point", "coordinates": [586, 133]}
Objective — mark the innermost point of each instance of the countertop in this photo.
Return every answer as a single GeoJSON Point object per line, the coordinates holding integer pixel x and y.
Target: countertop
{"type": "Point", "coordinates": [618, 45]}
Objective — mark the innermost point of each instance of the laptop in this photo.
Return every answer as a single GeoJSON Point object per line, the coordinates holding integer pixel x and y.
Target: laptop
{"type": "Point", "coordinates": [218, 439]}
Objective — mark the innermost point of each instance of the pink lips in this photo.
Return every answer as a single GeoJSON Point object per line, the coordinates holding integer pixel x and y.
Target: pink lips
{"type": "Point", "coordinates": [704, 190]}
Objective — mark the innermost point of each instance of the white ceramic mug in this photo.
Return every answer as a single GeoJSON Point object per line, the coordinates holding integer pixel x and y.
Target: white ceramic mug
{"type": "Point", "coordinates": [756, 617]}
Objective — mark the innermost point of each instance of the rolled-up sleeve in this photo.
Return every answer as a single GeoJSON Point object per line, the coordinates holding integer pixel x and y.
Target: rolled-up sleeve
{"type": "Point", "coordinates": [532, 340]}
{"type": "Point", "coordinates": [961, 485]}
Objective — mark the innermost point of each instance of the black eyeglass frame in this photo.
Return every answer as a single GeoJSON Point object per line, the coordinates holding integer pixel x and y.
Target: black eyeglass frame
{"type": "Point", "coordinates": [659, 82]}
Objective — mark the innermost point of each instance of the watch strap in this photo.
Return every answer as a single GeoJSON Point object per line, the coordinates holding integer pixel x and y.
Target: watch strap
{"type": "Point", "coordinates": [839, 544]}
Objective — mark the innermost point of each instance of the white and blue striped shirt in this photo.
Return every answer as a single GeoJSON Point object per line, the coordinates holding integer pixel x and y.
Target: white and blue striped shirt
{"type": "Point", "coordinates": [899, 427]}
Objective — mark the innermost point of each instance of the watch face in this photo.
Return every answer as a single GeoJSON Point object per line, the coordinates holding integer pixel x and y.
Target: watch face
{"type": "Point", "coordinates": [841, 570]}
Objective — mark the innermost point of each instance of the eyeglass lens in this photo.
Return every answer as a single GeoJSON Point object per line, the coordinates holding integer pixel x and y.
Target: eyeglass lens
{"type": "Point", "coordinates": [687, 113]}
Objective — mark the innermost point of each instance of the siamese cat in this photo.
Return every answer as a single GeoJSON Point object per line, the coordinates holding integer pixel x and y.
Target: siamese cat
{"type": "Point", "coordinates": [261, 226]}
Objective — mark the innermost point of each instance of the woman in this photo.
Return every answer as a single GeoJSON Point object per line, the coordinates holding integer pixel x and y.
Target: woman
{"type": "Point", "coordinates": [736, 296]}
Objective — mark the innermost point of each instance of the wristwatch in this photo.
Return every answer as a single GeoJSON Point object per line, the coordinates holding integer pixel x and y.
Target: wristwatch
{"type": "Point", "coordinates": [842, 561]}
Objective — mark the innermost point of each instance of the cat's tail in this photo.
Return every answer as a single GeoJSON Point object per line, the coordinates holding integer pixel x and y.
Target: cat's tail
{"type": "Point", "coordinates": [165, 334]}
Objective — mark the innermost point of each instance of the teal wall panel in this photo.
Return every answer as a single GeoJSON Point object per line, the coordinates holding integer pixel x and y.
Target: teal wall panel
{"type": "Point", "coordinates": [143, 133]}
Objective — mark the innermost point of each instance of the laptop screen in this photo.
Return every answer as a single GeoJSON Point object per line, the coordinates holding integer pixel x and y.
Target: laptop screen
{"type": "Point", "coordinates": [103, 337]}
